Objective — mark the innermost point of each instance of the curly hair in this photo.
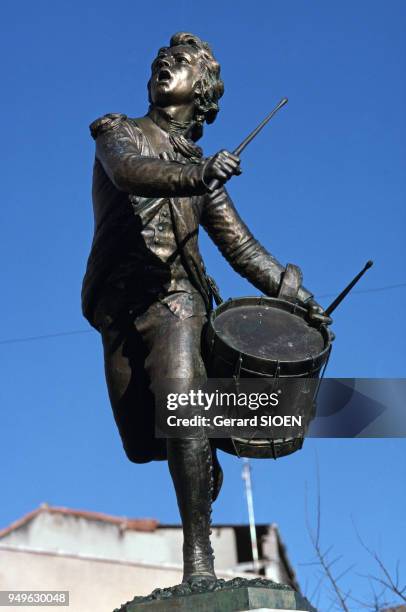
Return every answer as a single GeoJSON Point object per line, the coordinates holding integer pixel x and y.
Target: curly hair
{"type": "Point", "coordinates": [212, 87]}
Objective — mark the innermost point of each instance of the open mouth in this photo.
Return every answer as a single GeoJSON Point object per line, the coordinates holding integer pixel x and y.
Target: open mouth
{"type": "Point", "coordinates": [164, 75]}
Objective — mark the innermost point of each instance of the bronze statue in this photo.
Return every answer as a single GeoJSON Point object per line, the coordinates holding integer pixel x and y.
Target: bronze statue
{"type": "Point", "coordinates": [146, 289]}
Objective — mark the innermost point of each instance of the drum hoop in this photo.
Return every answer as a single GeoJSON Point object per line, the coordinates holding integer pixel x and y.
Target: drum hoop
{"type": "Point", "coordinates": [289, 307]}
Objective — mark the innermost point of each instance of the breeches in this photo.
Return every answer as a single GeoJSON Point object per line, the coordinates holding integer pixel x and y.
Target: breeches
{"type": "Point", "coordinates": [139, 353]}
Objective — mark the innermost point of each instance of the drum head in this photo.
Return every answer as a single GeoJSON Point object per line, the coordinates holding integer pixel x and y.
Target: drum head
{"type": "Point", "coordinates": [267, 332]}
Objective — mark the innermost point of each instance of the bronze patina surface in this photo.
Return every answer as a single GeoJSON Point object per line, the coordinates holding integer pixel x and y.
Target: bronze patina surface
{"type": "Point", "coordinates": [146, 289]}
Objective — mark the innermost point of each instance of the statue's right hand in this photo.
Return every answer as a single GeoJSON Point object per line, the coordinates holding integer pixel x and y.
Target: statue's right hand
{"type": "Point", "coordinates": [221, 167]}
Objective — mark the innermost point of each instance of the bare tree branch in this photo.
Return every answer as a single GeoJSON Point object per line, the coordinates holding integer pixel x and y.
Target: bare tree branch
{"type": "Point", "coordinates": [389, 583]}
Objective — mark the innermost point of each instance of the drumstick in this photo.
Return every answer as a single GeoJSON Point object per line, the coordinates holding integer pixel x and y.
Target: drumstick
{"type": "Point", "coordinates": [348, 288]}
{"type": "Point", "coordinates": [214, 184]}
{"type": "Point", "coordinates": [259, 127]}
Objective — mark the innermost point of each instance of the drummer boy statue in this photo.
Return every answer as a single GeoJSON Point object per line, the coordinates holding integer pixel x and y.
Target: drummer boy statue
{"type": "Point", "coordinates": [146, 289]}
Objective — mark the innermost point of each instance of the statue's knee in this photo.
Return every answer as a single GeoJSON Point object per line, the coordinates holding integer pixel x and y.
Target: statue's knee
{"type": "Point", "coordinates": [139, 453]}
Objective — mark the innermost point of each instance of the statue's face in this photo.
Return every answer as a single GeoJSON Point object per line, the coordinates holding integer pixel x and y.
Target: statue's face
{"type": "Point", "coordinates": [175, 77]}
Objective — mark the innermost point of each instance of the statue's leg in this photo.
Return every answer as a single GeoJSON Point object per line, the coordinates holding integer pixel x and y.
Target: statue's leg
{"type": "Point", "coordinates": [139, 352]}
{"type": "Point", "coordinates": [175, 363]}
{"type": "Point", "coordinates": [190, 465]}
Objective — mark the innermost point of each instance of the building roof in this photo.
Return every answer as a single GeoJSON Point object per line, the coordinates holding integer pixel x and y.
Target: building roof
{"type": "Point", "coordinates": [140, 524]}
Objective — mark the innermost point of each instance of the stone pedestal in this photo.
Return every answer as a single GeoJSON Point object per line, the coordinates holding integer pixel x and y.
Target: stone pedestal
{"type": "Point", "coordinates": [237, 595]}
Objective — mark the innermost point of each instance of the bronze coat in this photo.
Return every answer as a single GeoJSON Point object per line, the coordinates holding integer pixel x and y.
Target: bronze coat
{"type": "Point", "coordinates": [127, 168]}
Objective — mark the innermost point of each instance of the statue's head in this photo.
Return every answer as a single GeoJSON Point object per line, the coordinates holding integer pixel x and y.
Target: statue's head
{"type": "Point", "coordinates": [186, 72]}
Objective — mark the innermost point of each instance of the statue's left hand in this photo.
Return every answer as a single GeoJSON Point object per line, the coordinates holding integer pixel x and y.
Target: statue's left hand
{"type": "Point", "coordinates": [316, 313]}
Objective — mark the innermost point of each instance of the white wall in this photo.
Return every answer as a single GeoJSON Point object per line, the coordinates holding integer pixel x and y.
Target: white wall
{"type": "Point", "coordinates": [77, 535]}
{"type": "Point", "coordinates": [93, 584]}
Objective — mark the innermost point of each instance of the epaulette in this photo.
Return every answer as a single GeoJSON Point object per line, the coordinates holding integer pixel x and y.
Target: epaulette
{"type": "Point", "coordinates": [107, 122]}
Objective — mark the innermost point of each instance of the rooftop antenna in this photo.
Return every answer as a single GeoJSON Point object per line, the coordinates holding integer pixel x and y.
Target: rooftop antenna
{"type": "Point", "coordinates": [246, 476]}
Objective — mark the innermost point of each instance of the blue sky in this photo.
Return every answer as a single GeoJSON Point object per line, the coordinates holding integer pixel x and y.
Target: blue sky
{"type": "Point", "coordinates": [323, 186]}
